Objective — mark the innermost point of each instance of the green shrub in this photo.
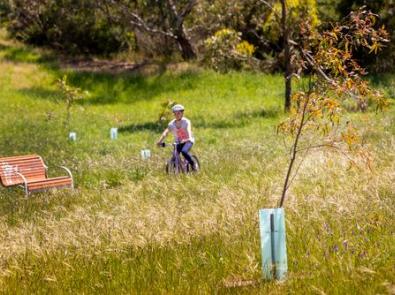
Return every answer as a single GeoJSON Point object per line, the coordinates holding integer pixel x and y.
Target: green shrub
{"type": "Point", "coordinates": [226, 51]}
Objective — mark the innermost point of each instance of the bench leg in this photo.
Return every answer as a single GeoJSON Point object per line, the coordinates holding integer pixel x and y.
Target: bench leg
{"type": "Point", "coordinates": [25, 184]}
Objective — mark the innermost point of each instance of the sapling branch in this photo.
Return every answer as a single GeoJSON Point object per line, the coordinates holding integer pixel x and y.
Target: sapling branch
{"type": "Point", "coordinates": [297, 169]}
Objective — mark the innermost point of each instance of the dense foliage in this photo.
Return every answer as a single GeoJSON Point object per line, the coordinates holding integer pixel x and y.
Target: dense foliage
{"type": "Point", "coordinates": [67, 25]}
{"type": "Point", "coordinates": [386, 10]}
{"type": "Point", "coordinates": [168, 28]}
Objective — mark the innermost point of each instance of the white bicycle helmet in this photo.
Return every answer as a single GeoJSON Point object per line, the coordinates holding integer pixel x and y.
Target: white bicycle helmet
{"type": "Point", "coordinates": [177, 108]}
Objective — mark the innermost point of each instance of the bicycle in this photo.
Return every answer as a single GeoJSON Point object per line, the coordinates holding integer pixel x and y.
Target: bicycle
{"type": "Point", "coordinates": [176, 164]}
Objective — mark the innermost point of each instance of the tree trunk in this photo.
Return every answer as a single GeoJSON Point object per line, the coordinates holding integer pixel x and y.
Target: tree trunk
{"type": "Point", "coordinates": [287, 56]}
{"type": "Point", "coordinates": [181, 37]}
{"type": "Point", "coordinates": [288, 87]}
{"type": "Point", "coordinates": [187, 51]}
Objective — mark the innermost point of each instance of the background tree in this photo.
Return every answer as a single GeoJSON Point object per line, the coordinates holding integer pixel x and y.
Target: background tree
{"type": "Point", "coordinates": [165, 18]}
{"type": "Point", "coordinates": [153, 27]}
{"type": "Point", "coordinates": [285, 19]}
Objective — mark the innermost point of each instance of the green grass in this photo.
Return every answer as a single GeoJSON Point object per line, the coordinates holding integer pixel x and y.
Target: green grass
{"type": "Point", "coordinates": [129, 228]}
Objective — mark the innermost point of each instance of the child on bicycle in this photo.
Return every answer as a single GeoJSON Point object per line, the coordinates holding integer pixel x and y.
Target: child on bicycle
{"type": "Point", "coordinates": [181, 129]}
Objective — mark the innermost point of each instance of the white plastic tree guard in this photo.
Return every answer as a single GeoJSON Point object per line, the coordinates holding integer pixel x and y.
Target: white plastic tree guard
{"type": "Point", "coordinates": [114, 133]}
{"type": "Point", "coordinates": [145, 154]}
{"type": "Point", "coordinates": [73, 136]}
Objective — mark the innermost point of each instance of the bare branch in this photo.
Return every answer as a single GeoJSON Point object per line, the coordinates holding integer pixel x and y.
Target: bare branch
{"type": "Point", "coordinates": [173, 7]}
{"type": "Point", "coordinates": [133, 18]}
{"type": "Point", "coordinates": [140, 23]}
{"type": "Point", "coordinates": [188, 8]}
{"type": "Point", "coordinates": [180, 16]}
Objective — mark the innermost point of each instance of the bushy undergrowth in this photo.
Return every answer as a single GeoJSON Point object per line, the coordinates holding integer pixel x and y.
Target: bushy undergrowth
{"type": "Point", "coordinates": [129, 228]}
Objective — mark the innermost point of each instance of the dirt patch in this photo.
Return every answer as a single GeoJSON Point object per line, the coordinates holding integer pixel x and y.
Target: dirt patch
{"type": "Point", "coordinates": [102, 66]}
{"type": "Point", "coordinates": [144, 67]}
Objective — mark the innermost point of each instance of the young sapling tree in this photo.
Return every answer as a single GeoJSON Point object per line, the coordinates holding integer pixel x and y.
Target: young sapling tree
{"type": "Point", "coordinates": [70, 94]}
{"type": "Point", "coordinates": [165, 113]}
{"type": "Point", "coordinates": [317, 118]}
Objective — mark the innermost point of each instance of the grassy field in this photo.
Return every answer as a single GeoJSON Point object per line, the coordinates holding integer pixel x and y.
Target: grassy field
{"type": "Point", "coordinates": [129, 228]}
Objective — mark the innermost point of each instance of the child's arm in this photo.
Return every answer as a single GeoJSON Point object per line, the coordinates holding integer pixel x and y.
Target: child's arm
{"type": "Point", "coordinates": [162, 137]}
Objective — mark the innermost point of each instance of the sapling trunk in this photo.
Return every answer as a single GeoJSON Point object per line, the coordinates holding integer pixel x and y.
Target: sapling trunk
{"type": "Point", "coordinates": [68, 115]}
{"type": "Point", "coordinates": [294, 153]}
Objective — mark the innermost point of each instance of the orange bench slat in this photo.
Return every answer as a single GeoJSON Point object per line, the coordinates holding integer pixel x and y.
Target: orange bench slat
{"type": "Point", "coordinates": [20, 158]}
{"type": "Point", "coordinates": [50, 183]}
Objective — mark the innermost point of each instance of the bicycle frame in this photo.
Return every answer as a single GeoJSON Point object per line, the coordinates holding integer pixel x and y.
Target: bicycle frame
{"type": "Point", "coordinates": [180, 164]}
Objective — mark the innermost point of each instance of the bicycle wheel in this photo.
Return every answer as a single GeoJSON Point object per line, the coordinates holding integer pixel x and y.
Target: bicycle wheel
{"type": "Point", "coordinates": [197, 165]}
{"type": "Point", "coordinates": [171, 167]}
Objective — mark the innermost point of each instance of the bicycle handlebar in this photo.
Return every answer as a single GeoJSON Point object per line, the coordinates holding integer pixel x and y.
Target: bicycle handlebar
{"type": "Point", "coordinates": [164, 144]}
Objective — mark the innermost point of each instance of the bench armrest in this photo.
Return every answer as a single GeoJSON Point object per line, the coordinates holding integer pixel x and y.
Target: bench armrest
{"type": "Point", "coordinates": [67, 170]}
{"type": "Point", "coordinates": [59, 166]}
{"type": "Point", "coordinates": [64, 168]}
{"type": "Point", "coordinates": [69, 173]}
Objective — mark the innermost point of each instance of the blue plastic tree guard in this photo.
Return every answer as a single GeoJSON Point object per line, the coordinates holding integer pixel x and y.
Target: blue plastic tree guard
{"type": "Point", "coordinates": [273, 243]}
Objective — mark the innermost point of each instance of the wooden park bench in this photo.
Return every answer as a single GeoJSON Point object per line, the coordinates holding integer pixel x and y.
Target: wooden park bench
{"type": "Point", "coordinates": [30, 172]}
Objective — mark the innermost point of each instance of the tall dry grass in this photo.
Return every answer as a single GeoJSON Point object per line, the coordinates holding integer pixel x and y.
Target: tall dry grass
{"type": "Point", "coordinates": [129, 228]}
